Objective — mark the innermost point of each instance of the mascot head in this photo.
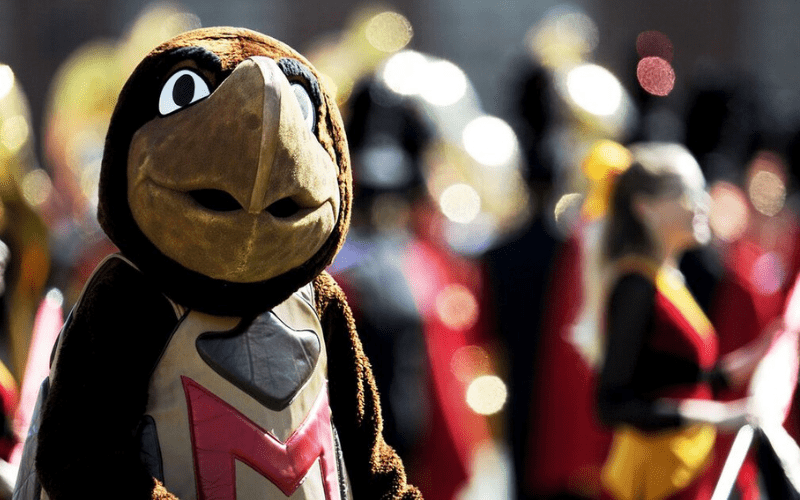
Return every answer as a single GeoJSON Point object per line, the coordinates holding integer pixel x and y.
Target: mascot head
{"type": "Point", "coordinates": [226, 176]}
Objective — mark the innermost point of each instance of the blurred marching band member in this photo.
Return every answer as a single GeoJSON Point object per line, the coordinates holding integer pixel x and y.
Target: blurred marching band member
{"type": "Point", "coordinates": [425, 306]}
{"type": "Point", "coordinates": [397, 270]}
{"type": "Point", "coordinates": [24, 255]}
{"type": "Point", "coordinates": [760, 237]}
{"type": "Point", "coordinates": [386, 138]}
{"type": "Point", "coordinates": [661, 365]}
{"type": "Point", "coordinates": [519, 269]}
{"type": "Point", "coordinates": [567, 445]}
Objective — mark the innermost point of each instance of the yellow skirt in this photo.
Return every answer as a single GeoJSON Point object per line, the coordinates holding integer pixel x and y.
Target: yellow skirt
{"type": "Point", "coordinates": [654, 465]}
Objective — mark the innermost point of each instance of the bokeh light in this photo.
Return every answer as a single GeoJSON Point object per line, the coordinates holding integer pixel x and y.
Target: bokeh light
{"type": "Point", "coordinates": [768, 274]}
{"type": "Point", "coordinates": [604, 158]}
{"type": "Point", "coordinates": [390, 212]}
{"type": "Point", "coordinates": [36, 187]}
{"type": "Point", "coordinates": [54, 295]}
{"type": "Point", "coordinates": [564, 36]}
{"type": "Point", "coordinates": [14, 132]}
{"type": "Point", "coordinates": [6, 80]}
{"type": "Point", "coordinates": [444, 83]}
{"type": "Point", "coordinates": [656, 76]}
{"type": "Point", "coordinates": [701, 227]}
{"type": "Point", "coordinates": [489, 140]}
{"type": "Point", "coordinates": [487, 394]}
{"type": "Point", "coordinates": [460, 203]}
{"type": "Point", "coordinates": [404, 72]}
{"type": "Point", "coordinates": [158, 22]}
{"type": "Point", "coordinates": [595, 89]}
{"type": "Point", "coordinates": [438, 82]}
{"type": "Point", "coordinates": [729, 214]}
{"type": "Point", "coordinates": [457, 307]}
{"type": "Point", "coordinates": [767, 192]}
{"type": "Point", "coordinates": [576, 26]}
{"type": "Point", "coordinates": [384, 164]}
{"type": "Point", "coordinates": [339, 94]}
{"type": "Point", "coordinates": [389, 31]}
{"type": "Point", "coordinates": [89, 180]}
{"type": "Point", "coordinates": [566, 210]}
{"type": "Point", "coordinates": [469, 362]}
{"type": "Point", "coordinates": [654, 44]}
{"type": "Point", "coordinates": [474, 238]}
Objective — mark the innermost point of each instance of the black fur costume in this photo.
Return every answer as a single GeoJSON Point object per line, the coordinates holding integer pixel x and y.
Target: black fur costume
{"type": "Point", "coordinates": [87, 445]}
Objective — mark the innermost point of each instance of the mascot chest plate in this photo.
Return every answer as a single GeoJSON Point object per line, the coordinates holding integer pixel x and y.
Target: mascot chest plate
{"type": "Point", "coordinates": [238, 409]}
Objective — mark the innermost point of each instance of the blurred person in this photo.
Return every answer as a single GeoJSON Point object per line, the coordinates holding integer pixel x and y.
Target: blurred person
{"type": "Point", "coordinates": [762, 259]}
{"type": "Point", "coordinates": [9, 401]}
{"type": "Point", "coordinates": [459, 453]}
{"type": "Point", "coordinates": [9, 394]}
{"type": "Point", "coordinates": [720, 133]}
{"type": "Point", "coordinates": [23, 188]}
{"type": "Point", "coordinates": [566, 445]}
{"type": "Point", "coordinates": [519, 269]}
{"type": "Point", "coordinates": [386, 138]}
{"type": "Point", "coordinates": [570, 104]}
{"type": "Point", "coordinates": [422, 308]}
{"type": "Point", "coordinates": [24, 255]}
{"type": "Point", "coordinates": [661, 365]}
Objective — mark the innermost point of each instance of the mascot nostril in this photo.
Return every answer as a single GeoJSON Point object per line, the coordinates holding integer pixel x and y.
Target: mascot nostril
{"type": "Point", "coordinates": [285, 207]}
{"type": "Point", "coordinates": [215, 338]}
{"type": "Point", "coordinates": [215, 200]}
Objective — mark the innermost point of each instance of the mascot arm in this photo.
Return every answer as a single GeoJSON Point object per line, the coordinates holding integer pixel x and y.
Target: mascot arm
{"type": "Point", "coordinates": [87, 444]}
{"type": "Point", "coordinates": [375, 469]}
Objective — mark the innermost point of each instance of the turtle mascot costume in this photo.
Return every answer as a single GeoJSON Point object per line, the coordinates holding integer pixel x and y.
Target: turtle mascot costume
{"type": "Point", "coordinates": [213, 357]}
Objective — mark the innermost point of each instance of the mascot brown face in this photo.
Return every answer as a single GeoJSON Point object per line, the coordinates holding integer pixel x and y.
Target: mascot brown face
{"type": "Point", "coordinates": [230, 173]}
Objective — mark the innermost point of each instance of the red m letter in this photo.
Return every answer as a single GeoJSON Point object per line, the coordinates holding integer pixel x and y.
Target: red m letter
{"type": "Point", "coordinates": [220, 435]}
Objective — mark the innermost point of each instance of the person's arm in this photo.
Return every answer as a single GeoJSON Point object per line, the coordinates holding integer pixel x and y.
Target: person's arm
{"type": "Point", "coordinates": [630, 317]}
{"type": "Point", "coordinates": [736, 367]}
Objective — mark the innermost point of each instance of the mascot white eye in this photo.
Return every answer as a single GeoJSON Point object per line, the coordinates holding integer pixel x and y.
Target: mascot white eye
{"type": "Point", "coordinates": [306, 105]}
{"type": "Point", "coordinates": [182, 89]}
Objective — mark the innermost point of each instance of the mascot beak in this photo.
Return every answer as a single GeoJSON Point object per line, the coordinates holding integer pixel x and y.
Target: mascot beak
{"type": "Point", "coordinates": [257, 104]}
{"type": "Point", "coordinates": [251, 98]}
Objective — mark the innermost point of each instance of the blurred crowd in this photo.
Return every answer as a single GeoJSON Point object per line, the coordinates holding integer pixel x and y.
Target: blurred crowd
{"type": "Point", "coordinates": [469, 260]}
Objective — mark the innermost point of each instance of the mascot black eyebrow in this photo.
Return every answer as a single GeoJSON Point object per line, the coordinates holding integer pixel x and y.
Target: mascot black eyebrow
{"type": "Point", "coordinates": [213, 357]}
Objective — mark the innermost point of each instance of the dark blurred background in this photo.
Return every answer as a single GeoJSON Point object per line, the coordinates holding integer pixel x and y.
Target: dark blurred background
{"type": "Point", "coordinates": [760, 37]}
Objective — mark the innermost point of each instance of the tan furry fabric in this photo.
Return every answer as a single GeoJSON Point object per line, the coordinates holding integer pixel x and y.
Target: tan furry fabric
{"type": "Point", "coordinates": [161, 493]}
